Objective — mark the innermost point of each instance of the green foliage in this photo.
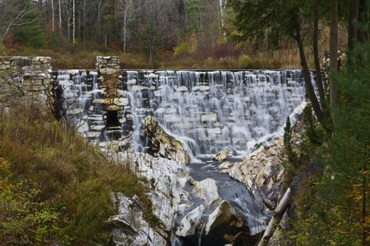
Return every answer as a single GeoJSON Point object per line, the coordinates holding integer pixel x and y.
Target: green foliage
{"type": "Point", "coordinates": [58, 184]}
{"type": "Point", "coordinates": [255, 20]}
{"type": "Point", "coordinates": [188, 47]}
{"type": "Point", "coordinates": [245, 61]}
{"type": "Point", "coordinates": [292, 160]}
{"type": "Point", "coordinates": [30, 32]}
{"type": "Point", "coordinates": [2, 49]}
{"type": "Point", "coordinates": [24, 220]}
{"type": "Point", "coordinates": [313, 131]}
{"type": "Point", "coordinates": [340, 205]}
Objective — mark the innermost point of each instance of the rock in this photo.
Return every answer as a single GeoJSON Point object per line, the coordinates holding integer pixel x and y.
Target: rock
{"type": "Point", "coordinates": [263, 173]}
{"type": "Point", "coordinates": [113, 107]}
{"type": "Point", "coordinates": [166, 179]}
{"type": "Point", "coordinates": [130, 228]}
{"type": "Point", "coordinates": [162, 144]}
{"type": "Point", "coordinates": [221, 156]}
{"type": "Point", "coordinates": [190, 222]}
{"type": "Point", "coordinates": [225, 165]}
{"type": "Point", "coordinates": [223, 214]}
{"type": "Point", "coordinates": [208, 191]}
{"type": "Point", "coordinates": [209, 118]}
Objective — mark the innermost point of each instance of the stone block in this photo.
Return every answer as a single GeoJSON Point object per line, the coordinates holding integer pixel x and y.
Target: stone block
{"type": "Point", "coordinates": [209, 118]}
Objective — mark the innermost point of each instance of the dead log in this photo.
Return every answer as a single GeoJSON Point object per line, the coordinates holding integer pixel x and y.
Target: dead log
{"type": "Point", "coordinates": [275, 220]}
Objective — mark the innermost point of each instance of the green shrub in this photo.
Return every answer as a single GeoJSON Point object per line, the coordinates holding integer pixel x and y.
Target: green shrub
{"type": "Point", "coordinates": [245, 61]}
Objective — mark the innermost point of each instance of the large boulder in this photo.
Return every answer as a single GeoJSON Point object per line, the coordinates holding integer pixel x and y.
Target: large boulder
{"type": "Point", "coordinates": [129, 226]}
{"type": "Point", "coordinates": [207, 190]}
{"type": "Point", "coordinates": [223, 214]}
{"type": "Point", "coordinates": [190, 222]}
{"type": "Point", "coordinates": [192, 210]}
{"type": "Point", "coordinates": [160, 143]}
{"type": "Point", "coordinates": [166, 179]}
{"type": "Point", "coordinates": [263, 173]}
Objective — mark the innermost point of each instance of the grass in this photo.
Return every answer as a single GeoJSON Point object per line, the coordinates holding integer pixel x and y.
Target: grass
{"type": "Point", "coordinates": [67, 179]}
{"type": "Point", "coordinates": [221, 56]}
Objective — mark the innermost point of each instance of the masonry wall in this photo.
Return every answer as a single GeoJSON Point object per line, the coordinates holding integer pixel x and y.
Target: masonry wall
{"type": "Point", "coordinates": [26, 76]}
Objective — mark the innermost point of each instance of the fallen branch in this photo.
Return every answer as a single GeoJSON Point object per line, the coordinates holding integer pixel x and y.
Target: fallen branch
{"type": "Point", "coordinates": [275, 220]}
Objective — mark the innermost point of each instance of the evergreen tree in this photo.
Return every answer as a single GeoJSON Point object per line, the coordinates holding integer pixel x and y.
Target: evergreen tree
{"type": "Point", "coordinates": [340, 204]}
{"type": "Point", "coordinates": [30, 34]}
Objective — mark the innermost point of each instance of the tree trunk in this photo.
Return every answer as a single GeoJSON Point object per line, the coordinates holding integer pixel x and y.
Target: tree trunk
{"type": "Point", "coordinates": [319, 80]}
{"type": "Point", "coordinates": [74, 21]}
{"type": "Point", "coordinates": [364, 201]}
{"type": "Point", "coordinates": [307, 80]}
{"type": "Point", "coordinates": [151, 56]}
{"type": "Point", "coordinates": [275, 220]}
{"type": "Point", "coordinates": [84, 22]}
{"type": "Point", "coordinates": [125, 20]}
{"type": "Point", "coordinates": [60, 16]}
{"type": "Point", "coordinates": [52, 17]}
{"type": "Point", "coordinates": [352, 22]}
{"type": "Point", "coordinates": [99, 19]}
{"type": "Point", "coordinates": [363, 35]}
{"type": "Point", "coordinates": [334, 91]}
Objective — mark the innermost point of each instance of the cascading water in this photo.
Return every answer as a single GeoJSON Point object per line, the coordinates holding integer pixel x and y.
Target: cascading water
{"type": "Point", "coordinates": [81, 95]}
{"type": "Point", "coordinates": [209, 110]}
{"type": "Point", "coordinates": [215, 110]}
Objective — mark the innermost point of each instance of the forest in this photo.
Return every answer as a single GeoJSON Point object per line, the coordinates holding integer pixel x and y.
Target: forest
{"type": "Point", "coordinates": [145, 33]}
{"type": "Point", "coordinates": [332, 204]}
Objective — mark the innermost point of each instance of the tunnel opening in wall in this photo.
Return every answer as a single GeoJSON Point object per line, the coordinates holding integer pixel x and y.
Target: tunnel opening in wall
{"type": "Point", "coordinates": [111, 119]}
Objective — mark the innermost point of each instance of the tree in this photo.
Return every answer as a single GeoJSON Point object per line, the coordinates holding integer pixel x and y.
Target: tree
{"type": "Point", "coordinates": [257, 20]}
{"type": "Point", "coordinates": [124, 13]}
{"type": "Point", "coordinates": [339, 202]}
{"type": "Point", "coordinates": [334, 93]}
{"type": "Point", "coordinates": [14, 13]}
{"type": "Point", "coordinates": [352, 23]}
{"type": "Point", "coordinates": [156, 23]}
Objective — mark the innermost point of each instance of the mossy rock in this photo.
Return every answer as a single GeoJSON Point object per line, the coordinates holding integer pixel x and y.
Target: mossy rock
{"type": "Point", "coordinates": [162, 144]}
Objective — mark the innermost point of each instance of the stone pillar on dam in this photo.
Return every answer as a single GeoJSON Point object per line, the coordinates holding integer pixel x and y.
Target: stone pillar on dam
{"type": "Point", "coordinates": [109, 70]}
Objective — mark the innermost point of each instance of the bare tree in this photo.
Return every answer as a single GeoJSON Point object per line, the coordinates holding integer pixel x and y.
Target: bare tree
{"type": "Point", "coordinates": [60, 16]}
{"type": "Point", "coordinates": [52, 17]}
{"type": "Point", "coordinates": [13, 13]}
{"type": "Point", "coordinates": [124, 11]}
{"type": "Point", "coordinates": [157, 26]}
{"type": "Point", "coordinates": [74, 21]}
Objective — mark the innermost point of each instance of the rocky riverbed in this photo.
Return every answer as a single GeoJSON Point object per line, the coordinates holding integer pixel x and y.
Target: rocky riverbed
{"type": "Point", "coordinates": [209, 202]}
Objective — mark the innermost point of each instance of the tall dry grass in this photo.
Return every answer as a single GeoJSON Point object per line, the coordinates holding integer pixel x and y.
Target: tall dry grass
{"type": "Point", "coordinates": [70, 176]}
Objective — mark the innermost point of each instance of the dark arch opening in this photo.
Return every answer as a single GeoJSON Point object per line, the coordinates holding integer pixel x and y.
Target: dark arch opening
{"type": "Point", "coordinates": [112, 119]}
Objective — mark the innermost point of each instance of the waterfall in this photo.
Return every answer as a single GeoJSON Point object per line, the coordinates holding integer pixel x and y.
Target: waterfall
{"type": "Point", "coordinates": [215, 110]}
{"type": "Point", "coordinates": [209, 110]}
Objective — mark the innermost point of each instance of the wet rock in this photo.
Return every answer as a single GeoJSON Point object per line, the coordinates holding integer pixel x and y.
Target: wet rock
{"type": "Point", "coordinates": [162, 144]}
{"type": "Point", "coordinates": [167, 180]}
{"type": "Point", "coordinates": [223, 214]}
{"type": "Point", "coordinates": [207, 190]}
{"type": "Point", "coordinates": [221, 156]}
{"type": "Point", "coordinates": [190, 222]}
{"type": "Point", "coordinates": [130, 228]}
{"type": "Point", "coordinates": [263, 173]}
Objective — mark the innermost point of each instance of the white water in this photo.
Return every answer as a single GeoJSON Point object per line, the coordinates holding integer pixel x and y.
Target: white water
{"type": "Point", "coordinates": [208, 110]}
{"type": "Point", "coordinates": [216, 110]}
